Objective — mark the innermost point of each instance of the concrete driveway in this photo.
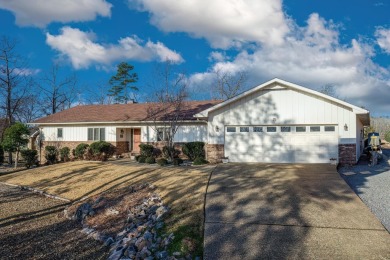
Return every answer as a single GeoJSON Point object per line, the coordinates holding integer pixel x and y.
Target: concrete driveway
{"type": "Point", "coordinates": [288, 211]}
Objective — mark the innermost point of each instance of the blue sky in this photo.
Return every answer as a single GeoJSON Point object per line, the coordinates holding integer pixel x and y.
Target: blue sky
{"type": "Point", "coordinates": [311, 43]}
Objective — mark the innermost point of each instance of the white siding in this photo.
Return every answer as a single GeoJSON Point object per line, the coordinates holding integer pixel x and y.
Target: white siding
{"type": "Point", "coordinates": [187, 133]}
{"type": "Point", "coordinates": [286, 106]}
{"type": "Point", "coordinates": [76, 133]}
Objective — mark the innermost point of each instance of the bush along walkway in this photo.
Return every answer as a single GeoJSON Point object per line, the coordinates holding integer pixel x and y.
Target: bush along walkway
{"type": "Point", "coordinates": [140, 209]}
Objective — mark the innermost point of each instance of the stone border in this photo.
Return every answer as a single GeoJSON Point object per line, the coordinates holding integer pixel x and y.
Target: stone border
{"type": "Point", "coordinates": [41, 192]}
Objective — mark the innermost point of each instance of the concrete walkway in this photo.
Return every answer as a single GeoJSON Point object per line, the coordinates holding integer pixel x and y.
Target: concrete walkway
{"type": "Point", "coordinates": [288, 211]}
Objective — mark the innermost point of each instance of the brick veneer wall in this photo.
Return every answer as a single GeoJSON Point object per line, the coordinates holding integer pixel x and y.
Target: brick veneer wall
{"type": "Point", "coordinates": [347, 154]}
{"type": "Point", "coordinates": [214, 152]}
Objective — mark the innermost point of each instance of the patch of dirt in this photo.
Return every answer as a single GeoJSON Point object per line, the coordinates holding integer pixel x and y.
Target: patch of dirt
{"type": "Point", "coordinates": [33, 227]}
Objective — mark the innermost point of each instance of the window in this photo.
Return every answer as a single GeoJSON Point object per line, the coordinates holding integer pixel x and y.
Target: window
{"type": "Point", "coordinates": [271, 129]}
{"type": "Point", "coordinates": [59, 133]}
{"type": "Point", "coordinates": [285, 129]}
{"type": "Point", "coordinates": [244, 129]}
{"type": "Point", "coordinates": [96, 134]}
{"type": "Point", "coordinates": [258, 129]}
{"type": "Point", "coordinates": [300, 129]}
{"type": "Point", "coordinates": [315, 129]}
{"type": "Point", "coordinates": [230, 129]}
{"type": "Point", "coordinates": [162, 134]}
{"type": "Point", "coordinates": [329, 128]}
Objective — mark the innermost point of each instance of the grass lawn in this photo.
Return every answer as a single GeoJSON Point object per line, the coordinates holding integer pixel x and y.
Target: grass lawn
{"type": "Point", "coordinates": [182, 188]}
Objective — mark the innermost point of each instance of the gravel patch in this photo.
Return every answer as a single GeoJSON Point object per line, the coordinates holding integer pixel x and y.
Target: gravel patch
{"type": "Point", "coordinates": [33, 227]}
{"type": "Point", "coordinates": [371, 184]}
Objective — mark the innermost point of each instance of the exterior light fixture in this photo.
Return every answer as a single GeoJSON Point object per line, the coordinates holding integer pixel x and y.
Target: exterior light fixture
{"type": "Point", "coordinates": [216, 128]}
{"type": "Point", "coordinates": [274, 120]}
{"type": "Point", "coordinates": [122, 131]}
{"type": "Point", "coordinates": [345, 127]}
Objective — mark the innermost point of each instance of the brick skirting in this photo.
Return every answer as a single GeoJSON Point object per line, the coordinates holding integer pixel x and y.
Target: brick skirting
{"type": "Point", "coordinates": [214, 152]}
{"type": "Point", "coordinates": [347, 154]}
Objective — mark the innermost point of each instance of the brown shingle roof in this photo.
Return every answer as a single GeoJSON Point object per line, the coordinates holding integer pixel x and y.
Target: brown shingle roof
{"type": "Point", "coordinates": [118, 112]}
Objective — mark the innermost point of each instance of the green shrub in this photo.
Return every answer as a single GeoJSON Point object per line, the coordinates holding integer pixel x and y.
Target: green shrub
{"type": "Point", "coordinates": [74, 152]}
{"type": "Point", "coordinates": [146, 150]}
{"type": "Point", "coordinates": [177, 161]}
{"type": "Point", "coordinates": [80, 150]}
{"type": "Point", "coordinates": [200, 161]}
{"type": "Point", "coordinates": [162, 162]}
{"type": "Point", "coordinates": [101, 150]}
{"type": "Point", "coordinates": [30, 156]}
{"type": "Point", "coordinates": [387, 137]}
{"type": "Point", "coordinates": [194, 150]}
{"type": "Point", "coordinates": [150, 160]}
{"type": "Point", "coordinates": [64, 154]}
{"type": "Point", "coordinates": [51, 154]}
{"type": "Point", "coordinates": [142, 159]}
{"type": "Point", "coordinates": [137, 157]}
{"type": "Point", "coordinates": [1, 155]}
{"type": "Point", "coordinates": [174, 152]}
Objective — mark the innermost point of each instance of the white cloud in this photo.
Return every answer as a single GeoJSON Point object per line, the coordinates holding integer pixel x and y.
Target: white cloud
{"type": "Point", "coordinates": [224, 23]}
{"type": "Point", "coordinates": [82, 50]}
{"type": "Point", "coordinates": [39, 13]}
{"type": "Point", "coordinates": [313, 56]}
{"type": "Point", "coordinates": [383, 39]}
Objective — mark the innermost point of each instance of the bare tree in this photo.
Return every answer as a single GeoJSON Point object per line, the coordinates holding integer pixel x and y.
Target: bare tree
{"type": "Point", "coordinates": [167, 110]}
{"type": "Point", "coordinates": [58, 93]}
{"type": "Point", "coordinates": [228, 85]}
{"type": "Point", "coordinates": [329, 90]}
{"type": "Point", "coordinates": [15, 81]}
{"type": "Point", "coordinates": [30, 109]}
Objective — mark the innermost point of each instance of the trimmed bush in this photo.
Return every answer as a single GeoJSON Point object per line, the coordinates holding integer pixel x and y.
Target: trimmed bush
{"type": "Point", "coordinates": [51, 154]}
{"type": "Point", "coordinates": [200, 161]}
{"type": "Point", "coordinates": [387, 137]}
{"type": "Point", "coordinates": [64, 154]}
{"type": "Point", "coordinates": [162, 162]}
{"type": "Point", "coordinates": [101, 150]}
{"type": "Point", "coordinates": [150, 160]}
{"type": "Point", "coordinates": [194, 150]}
{"type": "Point", "coordinates": [146, 150]}
{"type": "Point", "coordinates": [81, 149]}
{"type": "Point", "coordinates": [137, 157]}
{"type": "Point", "coordinates": [142, 159]}
{"type": "Point", "coordinates": [30, 156]}
{"type": "Point", "coordinates": [177, 161]}
{"type": "Point", "coordinates": [1, 155]}
{"type": "Point", "coordinates": [165, 152]}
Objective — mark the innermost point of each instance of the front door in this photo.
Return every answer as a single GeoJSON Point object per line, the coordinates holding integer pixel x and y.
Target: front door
{"type": "Point", "coordinates": [136, 139]}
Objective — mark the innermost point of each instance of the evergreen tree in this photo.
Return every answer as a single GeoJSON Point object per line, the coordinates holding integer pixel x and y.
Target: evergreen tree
{"type": "Point", "coordinates": [15, 138]}
{"type": "Point", "coordinates": [121, 83]}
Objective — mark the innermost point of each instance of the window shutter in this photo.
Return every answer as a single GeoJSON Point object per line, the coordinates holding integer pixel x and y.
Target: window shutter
{"type": "Point", "coordinates": [102, 134]}
{"type": "Point", "coordinates": [90, 134]}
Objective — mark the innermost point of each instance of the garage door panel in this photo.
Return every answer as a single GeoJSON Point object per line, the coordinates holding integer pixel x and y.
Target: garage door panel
{"type": "Point", "coordinates": [281, 147]}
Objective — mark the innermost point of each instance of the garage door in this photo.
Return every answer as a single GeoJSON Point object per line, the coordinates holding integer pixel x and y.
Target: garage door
{"type": "Point", "coordinates": [281, 144]}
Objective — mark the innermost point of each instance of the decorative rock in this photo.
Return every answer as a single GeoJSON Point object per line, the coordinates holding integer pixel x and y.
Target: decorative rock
{"type": "Point", "coordinates": [112, 211]}
{"type": "Point", "coordinates": [116, 254]}
{"type": "Point", "coordinates": [109, 241]}
{"type": "Point", "coordinates": [162, 255]}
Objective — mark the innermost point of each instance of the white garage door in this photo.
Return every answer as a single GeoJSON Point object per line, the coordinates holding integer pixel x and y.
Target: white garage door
{"type": "Point", "coordinates": [281, 144]}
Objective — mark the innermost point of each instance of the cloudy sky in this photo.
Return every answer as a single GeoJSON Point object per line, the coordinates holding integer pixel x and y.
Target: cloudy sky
{"type": "Point", "coordinates": [308, 42]}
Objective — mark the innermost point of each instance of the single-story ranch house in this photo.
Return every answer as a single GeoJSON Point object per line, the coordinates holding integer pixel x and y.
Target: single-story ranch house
{"type": "Point", "coordinates": [277, 121]}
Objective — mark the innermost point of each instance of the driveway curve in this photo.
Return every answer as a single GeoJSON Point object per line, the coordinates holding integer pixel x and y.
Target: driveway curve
{"type": "Point", "coordinates": [288, 211]}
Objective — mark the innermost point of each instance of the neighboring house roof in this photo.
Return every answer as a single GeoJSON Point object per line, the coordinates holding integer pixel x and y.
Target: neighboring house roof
{"type": "Point", "coordinates": [134, 112]}
{"type": "Point", "coordinates": [363, 114]}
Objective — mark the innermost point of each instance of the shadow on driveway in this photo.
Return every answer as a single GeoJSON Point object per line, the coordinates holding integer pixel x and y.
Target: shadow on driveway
{"type": "Point", "coordinates": [294, 211]}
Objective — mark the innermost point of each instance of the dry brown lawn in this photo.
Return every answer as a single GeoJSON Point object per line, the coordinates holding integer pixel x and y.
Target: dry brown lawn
{"type": "Point", "coordinates": [181, 188]}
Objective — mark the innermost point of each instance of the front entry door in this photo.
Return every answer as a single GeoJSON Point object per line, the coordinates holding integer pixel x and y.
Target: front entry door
{"type": "Point", "coordinates": [136, 139]}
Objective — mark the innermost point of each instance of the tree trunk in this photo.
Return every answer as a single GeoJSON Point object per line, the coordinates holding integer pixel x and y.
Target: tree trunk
{"type": "Point", "coordinates": [16, 159]}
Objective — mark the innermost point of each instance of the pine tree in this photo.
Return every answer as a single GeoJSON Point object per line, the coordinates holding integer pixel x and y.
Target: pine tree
{"type": "Point", "coordinates": [121, 83]}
